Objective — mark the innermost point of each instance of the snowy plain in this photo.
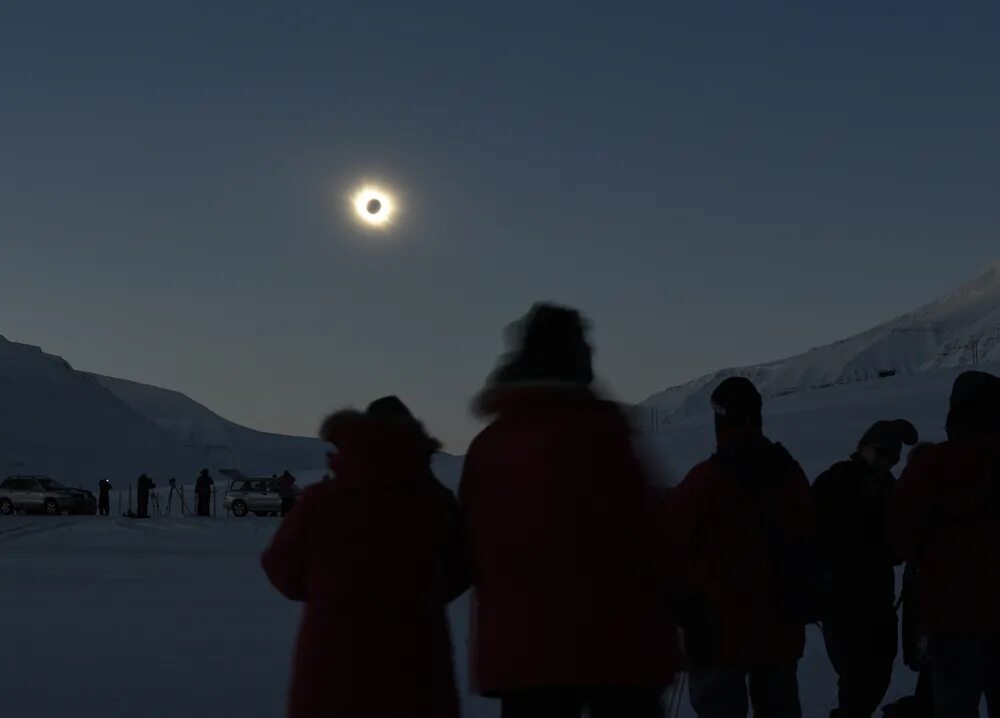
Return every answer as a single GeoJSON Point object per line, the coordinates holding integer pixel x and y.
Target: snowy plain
{"type": "Point", "coordinates": [172, 617]}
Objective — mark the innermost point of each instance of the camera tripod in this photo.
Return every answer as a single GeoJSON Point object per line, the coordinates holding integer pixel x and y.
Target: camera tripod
{"type": "Point", "coordinates": [180, 494]}
{"type": "Point", "coordinates": [154, 500]}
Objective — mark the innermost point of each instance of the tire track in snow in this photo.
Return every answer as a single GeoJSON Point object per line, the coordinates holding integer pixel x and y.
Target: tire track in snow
{"type": "Point", "coordinates": [29, 529]}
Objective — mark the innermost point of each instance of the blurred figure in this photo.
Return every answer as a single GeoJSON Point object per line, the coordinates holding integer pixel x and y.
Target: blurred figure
{"type": "Point", "coordinates": [376, 554]}
{"type": "Point", "coordinates": [143, 487]}
{"type": "Point", "coordinates": [287, 491]}
{"type": "Point", "coordinates": [104, 497]}
{"type": "Point", "coordinates": [860, 626]}
{"type": "Point", "coordinates": [915, 655]}
{"type": "Point", "coordinates": [945, 519]}
{"type": "Point", "coordinates": [203, 493]}
{"type": "Point", "coordinates": [570, 607]}
{"type": "Point", "coordinates": [747, 515]}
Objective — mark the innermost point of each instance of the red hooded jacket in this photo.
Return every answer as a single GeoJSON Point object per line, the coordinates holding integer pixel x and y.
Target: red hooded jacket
{"type": "Point", "coordinates": [945, 518]}
{"type": "Point", "coordinates": [375, 554]}
{"type": "Point", "coordinates": [570, 581]}
{"type": "Point", "coordinates": [730, 578]}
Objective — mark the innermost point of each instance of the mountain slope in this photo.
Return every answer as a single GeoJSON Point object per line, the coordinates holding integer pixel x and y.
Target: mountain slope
{"type": "Point", "coordinates": [217, 441]}
{"type": "Point", "coordinates": [62, 422]}
{"type": "Point", "coordinates": [818, 427]}
{"type": "Point", "coordinates": [79, 427]}
{"type": "Point", "coordinates": [949, 332]}
{"type": "Point", "coordinates": [222, 443]}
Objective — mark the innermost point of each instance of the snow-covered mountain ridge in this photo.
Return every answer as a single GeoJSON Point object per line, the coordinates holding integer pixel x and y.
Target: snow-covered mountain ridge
{"type": "Point", "coordinates": [79, 427]}
{"type": "Point", "coordinates": [959, 329]}
{"type": "Point", "coordinates": [217, 441]}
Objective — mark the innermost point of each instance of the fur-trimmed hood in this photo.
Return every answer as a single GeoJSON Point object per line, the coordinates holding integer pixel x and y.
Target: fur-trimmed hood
{"type": "Point", "coordinates": [497, 399]}
{"type": "Point", "coordinates": [376, 448]}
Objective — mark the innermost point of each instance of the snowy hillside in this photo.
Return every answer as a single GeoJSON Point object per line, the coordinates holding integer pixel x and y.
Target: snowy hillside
{"type": "Point", "coordinates": [819, 427]}
{"type": "Point", "coordinates": [78, 427]}
{"type": "Point", "coordinates": [221, 443]}
{"type": "Point", "coordinates": [215, 440]}
{"type": "Point", "coordinates": [952, 331]}
{"type": "Point", "coordinates": [62, 422]}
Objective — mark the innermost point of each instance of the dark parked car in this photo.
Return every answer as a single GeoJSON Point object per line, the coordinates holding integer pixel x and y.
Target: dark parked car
{"type": "Point", "coordinates": [40, 494]}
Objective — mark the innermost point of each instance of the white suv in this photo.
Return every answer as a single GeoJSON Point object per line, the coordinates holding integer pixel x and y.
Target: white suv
{"type": "Point", "coordinates": [258, 496]}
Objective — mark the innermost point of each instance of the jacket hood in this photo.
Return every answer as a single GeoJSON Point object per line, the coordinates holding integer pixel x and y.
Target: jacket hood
{"type": "Point", "coordinates": [500, 399]}
{"type": "Point", "coordinates": [378, 449]}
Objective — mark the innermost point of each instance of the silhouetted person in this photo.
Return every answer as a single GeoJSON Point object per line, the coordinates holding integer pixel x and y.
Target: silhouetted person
{"type": "Point", "coordinates": [860, 625]}
{"type": "Point", "coordinates": [915, 654]}
{"type": "Point", "coordinates": [914, 640]}
{"type": "Point", "coordinates": [570, 611]}
{"type": "Point", "coordinates": [945, 519]}
{"type": "Point", "coordinates": [287, 491]}
{"type": "Point", "coordinates": [143, 487]}
{"type": "Point", "coordinates": [746, 514]}
{"type": "Point", "coordinates": [104, 497]}
{"type": "Point", "coordinates": [376, 554]}
{"type": "Point", "coordinates": [203, 493]}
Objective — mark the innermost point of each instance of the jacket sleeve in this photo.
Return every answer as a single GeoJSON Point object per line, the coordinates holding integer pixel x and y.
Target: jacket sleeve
{"type": "Point", "coordinates": [802, 506]}
{"type": "Point", "coordinates": [455, 561]}
{"type": "Point", "coordinates": [823, 497]}
{"type": "Point", "coordinates": [286, 561]}
{"type": "Point", "coordinates": [681, 517]}
{"type": "Point", "coordinates": [466, 507]}
{"type": "Point", "coordinates": [910, 509]}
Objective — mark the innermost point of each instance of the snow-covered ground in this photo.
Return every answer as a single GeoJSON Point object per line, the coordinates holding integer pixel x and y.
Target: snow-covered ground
{"type": "Point", "coordinates": [173, 618]}
{"type": "Point", "coordinates": [114, 617]}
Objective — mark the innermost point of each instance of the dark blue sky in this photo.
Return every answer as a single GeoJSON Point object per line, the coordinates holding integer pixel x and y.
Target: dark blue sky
{"type": "Point", "coordinates": [712, 183]}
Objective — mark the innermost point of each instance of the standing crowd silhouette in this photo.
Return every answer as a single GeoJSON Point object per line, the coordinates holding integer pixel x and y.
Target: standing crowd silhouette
{"type": "Point", "coordinates": [594, 590]}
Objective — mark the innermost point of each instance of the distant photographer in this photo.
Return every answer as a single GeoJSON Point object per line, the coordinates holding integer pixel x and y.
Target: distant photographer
{"type": "Point", "coordinates": [288, 492]}
{"type": "Point", "coordinates": [203, 493]}
{"type": "Point", "coordinates": [104, 497]}
{"type": "Point", "coordinates": [143, 487]}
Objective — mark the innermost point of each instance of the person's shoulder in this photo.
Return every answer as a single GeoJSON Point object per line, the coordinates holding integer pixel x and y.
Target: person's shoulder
{"type": "Point", "coordinates": [943, 451]}
{"type": "Point", "coordinates": [842, 467]}
{"type": "Point", "coordinates": [942, 459]}
{"type": "Point", "coordinates": [835, 473]}
{"type": "Point", "coordinates": [322, 491]}
{"type": "Point", "coordinates": [701, 471]}
{"type": "Point", "coordinates": [483, 440]}
{"type": "Point", "coordinates": [436, 489]}
{"type": "Point", "coordinates": [780, 453]}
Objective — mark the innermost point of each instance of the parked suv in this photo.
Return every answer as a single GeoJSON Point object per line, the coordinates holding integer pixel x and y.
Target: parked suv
{"type": "Point", "coordinates": [259, 496]}
{"type": "Point", "coordinates": [43, 495]}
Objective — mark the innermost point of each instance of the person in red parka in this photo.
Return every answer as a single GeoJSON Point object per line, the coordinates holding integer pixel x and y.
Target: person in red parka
{"type": "Point", "coordinates": [570, 608]}
{"type": "Point", "coordinates": [945, 518]}
{"type": "Point", "coordinates": [739, 513]}
{"type": "Point", "coordinates": [376, 554]}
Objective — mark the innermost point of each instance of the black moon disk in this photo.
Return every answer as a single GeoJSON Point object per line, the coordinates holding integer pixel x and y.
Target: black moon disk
{"type": "Point", "coordinates": [374, 206]}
